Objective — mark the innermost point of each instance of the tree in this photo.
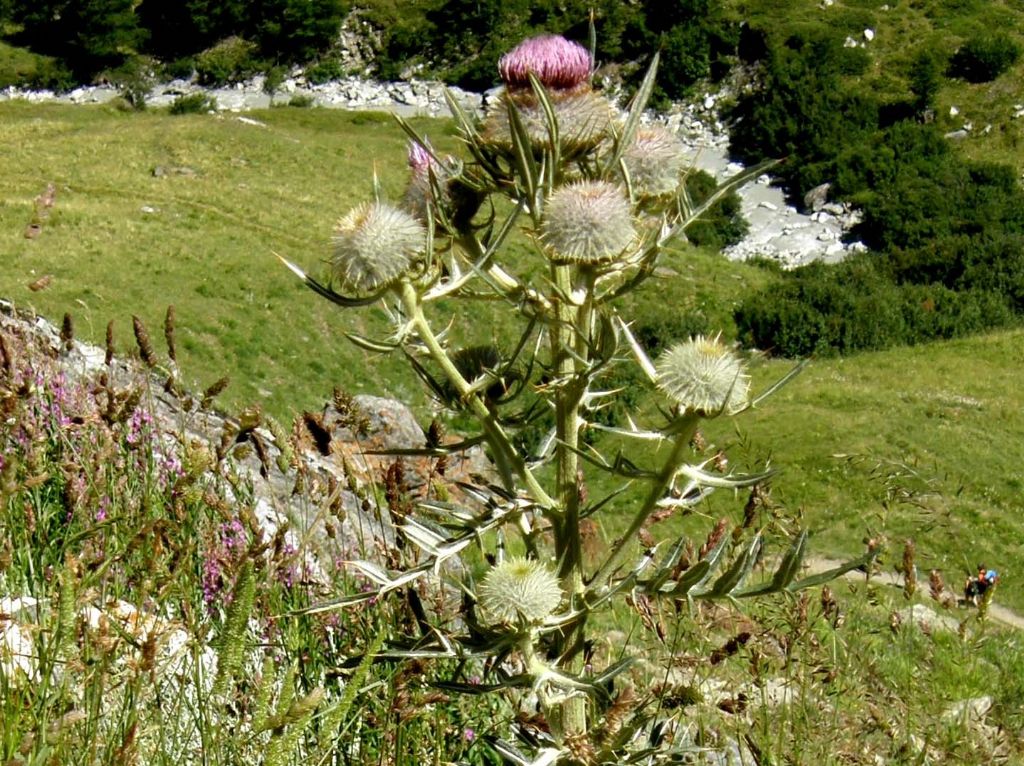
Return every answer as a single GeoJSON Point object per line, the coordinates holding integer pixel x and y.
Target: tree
{"type": "Point", "coordinates": [298, 29]}
{"type": "Point", "coordinates": [90, 35]}
{"type": "Point", "coordinates": [183, 27]}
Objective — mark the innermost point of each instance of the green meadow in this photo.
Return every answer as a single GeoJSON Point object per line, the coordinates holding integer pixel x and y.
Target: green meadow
{"type": "Point", "coordinates": [151, 210]}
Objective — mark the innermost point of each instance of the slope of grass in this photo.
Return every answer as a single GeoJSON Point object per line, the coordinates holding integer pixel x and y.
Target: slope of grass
{"type": "Point", "coordinates": [154, 210]}
{"type": "Point", "coordinates": [923, 442]}
{"type": "Point", "coordinates": [902, 30]}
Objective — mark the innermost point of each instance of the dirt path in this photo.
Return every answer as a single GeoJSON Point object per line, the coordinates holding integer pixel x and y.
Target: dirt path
{"type": "Point", "coordinates": [995, 611]}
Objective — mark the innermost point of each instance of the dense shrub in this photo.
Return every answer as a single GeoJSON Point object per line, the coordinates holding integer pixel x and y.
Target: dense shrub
{"type": "Point", "coordinates": [134, 81]}
{"type": "Point", "coordinates": [178, 29]}
{"type": "Point", "coordinates": [914, 190]}
{"type": "Point", "coordinates": [984, 57]}
{"type": "Point", "coordinates": [193, 103]}
{"type": "Point", "coordinates": [50, 74]}
{"type": "Point", "coordinates": [723, 224]}
{"type": "Point", "coordinates": [86, 35]}
{"type": "Point", "coordinates": [854, 306]}
{"type": "Point", "coordinates": [924, 77]}
{"type": "Point", "coordinates": [995, 264]}
{"type": "Point", "coordinates": [297, 30]}
{"type": "Point", "coordinates": [325, 70]}
{"type": "Point", "coordinates": [230, 60]}
{"type": "Point", "coordinates": [802, 112]}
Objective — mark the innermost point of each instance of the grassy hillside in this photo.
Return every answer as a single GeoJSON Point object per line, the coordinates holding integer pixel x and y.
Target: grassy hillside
{"type": "Point", "coordinates": [902, 30]}
{"type": "Point", "coordinates": [923, 442]}
{"type": "Point", "coordinates": [172, 631]}
{"type": "Point", "coordinates": [154, 210]}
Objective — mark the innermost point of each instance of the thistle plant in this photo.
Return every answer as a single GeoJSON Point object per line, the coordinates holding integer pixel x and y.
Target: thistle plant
{"type": "Point", "coordinates": [600, 197]}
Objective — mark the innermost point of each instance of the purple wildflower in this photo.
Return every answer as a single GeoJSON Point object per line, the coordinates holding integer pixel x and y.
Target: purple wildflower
{"type": "Point", "coordinates": [213, 581]}
{"type": "Point", "coordinates": [288, 570]}
{"type": "Point", "coordinates": [102, 509]}
{"type": "Point", "coordinates": [469, 735]}
{"type": "Point", "coordinates": [419, 157]}
{"type": "Point", "coordinates": [558, 63]}
{"type": "Point", "coordinates": [230, 548]}
{"type": "Point", "coordinates": [139, 426]}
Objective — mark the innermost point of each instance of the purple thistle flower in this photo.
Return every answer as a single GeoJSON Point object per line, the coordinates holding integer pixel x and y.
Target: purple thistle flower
{"type": "Point", "coordinates": [558, 63]}
{"type": "Point", "coordinates": [419, 157]}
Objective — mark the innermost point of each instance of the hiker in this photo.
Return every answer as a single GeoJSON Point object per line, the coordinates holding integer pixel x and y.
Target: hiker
{"type": "Point", "coordinates": [976, 587]}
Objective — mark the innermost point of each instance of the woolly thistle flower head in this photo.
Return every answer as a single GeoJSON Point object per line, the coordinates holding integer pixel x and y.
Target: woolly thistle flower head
{"type": "Point", "coordinates": [558, 63]}
{"type": "Point", "coordinates": [584, 120]}
{"type": "Point", "coordinates": [654, 161]}
{"type": "Point", "coordinates": [519, 590]}
{"type": "Point", "coordinates": [374, 245]}
{"type": "Point", "coordinates": [587, 222]}
{"type": "Point", "coordinates": [703, 376]}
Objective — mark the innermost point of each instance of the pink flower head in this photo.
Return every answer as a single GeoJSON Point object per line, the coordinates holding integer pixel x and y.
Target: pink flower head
{"type": "Point", "coordinates": [419, 157]}
{"type": "Point", "coordinates": [558, 63]}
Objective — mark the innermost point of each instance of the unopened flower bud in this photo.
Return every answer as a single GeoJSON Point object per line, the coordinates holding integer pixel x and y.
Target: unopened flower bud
{"type": "Point", "coordinates": [587, 222]}
{"type": "Point", "coordinates": [702, 375]}
{"type": "Point", "coordinates": [519, 590]}
{"type": "Point", "coordinates": [374, 246]}
{"type": "Point", "coordinates": [429, 183]}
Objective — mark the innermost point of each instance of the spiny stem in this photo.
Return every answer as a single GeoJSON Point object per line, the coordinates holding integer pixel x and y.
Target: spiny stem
{"type": "Point", "coordinates": [567, 336]}
{"type": "Point", "coordinates": [668, 471]}
{"type": "Point", "coordinates": [505, 453]}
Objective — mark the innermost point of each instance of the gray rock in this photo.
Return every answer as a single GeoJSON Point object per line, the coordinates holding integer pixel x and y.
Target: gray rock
{"type": "Point", "coordinates": [927, 619]}
{"type": "Point", "coordinates": [816, 198]}
{"type": "Point", "coordinates": [970, 710]}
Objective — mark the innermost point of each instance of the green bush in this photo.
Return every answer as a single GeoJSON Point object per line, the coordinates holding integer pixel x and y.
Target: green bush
{"type": "Point", "coordinates": [825, 310]}
{"type": "Point", "coordinates": [88, 36]}
{"type": "Point", "coordinates": [134, 80]}
{"type": "Point", "coordinates": [984, 57]}
{"type": "Point", "coordinates": [802, 112]}
{"type": "Point", "coordinates": [325, 70]}
{"type": "Point", "coordinates": [180, 68]}
{"type": "Point", "coordinates": [296, 30]}
{"type": "Point", "coordinates": [230, 60]}
{"type": "Point", "coordinates": [933, 312]}
{"type": "Point", "coordinates": [723, 224]}
{"type": "Point", "coordinates": [51, 74]}
{"type": "Point", "coordinates": [193, 103]}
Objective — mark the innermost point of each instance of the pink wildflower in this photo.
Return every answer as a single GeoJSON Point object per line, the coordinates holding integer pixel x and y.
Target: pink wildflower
{"type": "Point", "coordinates": [558, 63]}
{"type": "Point", "coordinates": [419, 157]}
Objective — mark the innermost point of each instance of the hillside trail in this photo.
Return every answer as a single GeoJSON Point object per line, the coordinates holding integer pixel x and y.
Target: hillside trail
{"type": "Point", "coordinates": [1001, 614]}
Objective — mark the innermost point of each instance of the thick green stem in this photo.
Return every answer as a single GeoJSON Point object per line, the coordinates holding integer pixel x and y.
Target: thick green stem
{"type": "Point", "coordinates": [504, 452]}
{"type": "Point", "coordinates": [686, 428]}
{"type": "Point", "coordinates": [569, 335]}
